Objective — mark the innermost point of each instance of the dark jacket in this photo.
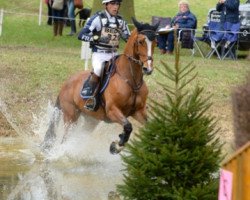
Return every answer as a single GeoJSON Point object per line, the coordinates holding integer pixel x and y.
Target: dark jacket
{"type": "Point", "coordinates": [229, 11]}
{"type": "Point", "coordinates": [185, 20]}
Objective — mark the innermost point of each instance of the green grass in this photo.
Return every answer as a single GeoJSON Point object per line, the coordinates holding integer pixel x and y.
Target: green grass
{"type": "Point", "coordinates": [33, 63]}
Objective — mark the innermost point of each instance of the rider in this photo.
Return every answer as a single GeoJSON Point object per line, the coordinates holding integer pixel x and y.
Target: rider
{"type": "Point", "coordinates": [103, 30]}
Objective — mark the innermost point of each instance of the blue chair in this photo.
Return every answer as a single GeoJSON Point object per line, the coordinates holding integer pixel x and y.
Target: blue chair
{"type": "Point", "coordinates": [215, 34]}
{"type": "Point", "coordinates": [223, 37]}
{"type": "Point", "coordinates": [230, 40]}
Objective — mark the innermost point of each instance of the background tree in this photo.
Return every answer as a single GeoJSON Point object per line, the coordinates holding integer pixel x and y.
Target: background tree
{"type": "Point", "coordinates": [176, 155]}
{"type": "Point", "coordinates": [127, 9]}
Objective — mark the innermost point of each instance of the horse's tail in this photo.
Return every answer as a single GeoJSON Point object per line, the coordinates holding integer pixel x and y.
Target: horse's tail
{"type": "Point", "coordinates": [50, 135]}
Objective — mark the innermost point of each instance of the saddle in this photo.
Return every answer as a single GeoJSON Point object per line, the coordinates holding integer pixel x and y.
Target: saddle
{"type": "Point", "coordinates": [109, 70]}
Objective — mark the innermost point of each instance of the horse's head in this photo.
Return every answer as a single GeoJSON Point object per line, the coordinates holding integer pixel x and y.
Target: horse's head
{"type": "Point", "coordinates": [146, 42]}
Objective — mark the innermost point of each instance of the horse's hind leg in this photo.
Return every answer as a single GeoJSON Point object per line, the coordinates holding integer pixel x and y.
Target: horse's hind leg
{"type": "Point", "coordinates": [50, 135]}
{"type": "Point", "coordinates": [70, 115]}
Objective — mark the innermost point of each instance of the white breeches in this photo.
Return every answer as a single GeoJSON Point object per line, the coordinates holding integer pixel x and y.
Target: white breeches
{"type": "Point", "coordinates": [98, 60]}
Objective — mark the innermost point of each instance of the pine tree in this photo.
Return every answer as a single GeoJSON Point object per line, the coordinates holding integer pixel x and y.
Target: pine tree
{"type": "Point", "coordinates": [176, 155]}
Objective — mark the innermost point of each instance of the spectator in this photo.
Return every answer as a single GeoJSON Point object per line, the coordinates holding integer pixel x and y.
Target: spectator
{"type": "Point", "coordinates": [103, 30]}
{"type": "Point", "coordinates": [229, 10]}
{"type": "Point", "coordinates": [183, 19]}
{"type": "Point", "coordinates": [49, 21]}
{"type": "Point", "coordinates": [71, 16]}
{"type": "Point", "coordinates": [58, 17]}
{"type": "Point", "coordinates": [229, 15]}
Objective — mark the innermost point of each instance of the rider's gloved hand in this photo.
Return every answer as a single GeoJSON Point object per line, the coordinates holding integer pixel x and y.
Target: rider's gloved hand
{"type": "Point", "coordinates": [124, 36]}
{"type": "Point", "coordinates": [104, 39]}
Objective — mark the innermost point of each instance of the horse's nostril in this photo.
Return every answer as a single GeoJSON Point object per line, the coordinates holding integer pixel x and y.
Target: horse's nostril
{"type": "Point", "coordinates": [147, 71]}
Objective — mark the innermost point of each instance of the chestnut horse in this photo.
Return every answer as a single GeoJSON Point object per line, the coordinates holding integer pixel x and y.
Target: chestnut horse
{"type": "Point", "coordinates": [126, 93]}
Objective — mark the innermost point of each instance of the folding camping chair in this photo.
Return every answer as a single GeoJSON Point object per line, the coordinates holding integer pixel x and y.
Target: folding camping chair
{"type": "Point", "coordinates": [223, 37]}
{"type": "Point", "coordinates": [230, 39]}
{"type": "Point", "coordinates": [215, 33]}
{"type": "Point", "coordinates": [200, 38]}
{"type": "Point", "coordinates": [187, 39]}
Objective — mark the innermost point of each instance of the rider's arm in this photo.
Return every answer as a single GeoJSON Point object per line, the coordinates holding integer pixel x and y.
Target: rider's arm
{"type": "Point", "coordinates": [125, 31]}
{"type": "Point", "coordinates": [92, 25]}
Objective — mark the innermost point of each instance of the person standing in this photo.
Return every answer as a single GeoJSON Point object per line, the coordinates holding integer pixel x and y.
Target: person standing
{"type": "Point", "coordinates": [58, 16]}
{"type": "Point", "coordinates": [49, 21]}
{"type": "Point", "coordinates": [184, 19]}
{"type": "Point", "coordinates": [103, 30]}
{"type": "Point", "coordinates": [71, 16]}
{"type": "Point", "coordinates": [229, 19]}
{"type": "Point", "coordinates": [229, 10]}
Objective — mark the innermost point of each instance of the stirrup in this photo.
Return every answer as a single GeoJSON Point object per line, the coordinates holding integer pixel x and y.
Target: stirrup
{"type": "Point", "coordinates": [90, 103]}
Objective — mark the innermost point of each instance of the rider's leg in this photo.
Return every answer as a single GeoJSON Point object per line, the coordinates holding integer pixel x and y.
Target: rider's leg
{"type": "Point", "coordinates": [94, 80]}
{"type": "Point", "coordinates": [89, 90]}
{"type": "Point", "coordinates": [97, 63]}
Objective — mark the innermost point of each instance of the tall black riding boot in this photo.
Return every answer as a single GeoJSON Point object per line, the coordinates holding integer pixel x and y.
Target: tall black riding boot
{"type": "Point", "coordinates": [89, 87]}
{"type": "Point", "coordinates": [89, 91]}
{"type": "Point", "coordinates": [73, 28]}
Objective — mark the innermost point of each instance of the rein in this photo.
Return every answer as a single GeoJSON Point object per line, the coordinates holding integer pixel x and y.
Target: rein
{"type": "Point", "coordinates": [132, 83]}
{"type": "Point", "coordinates": [135, 87]}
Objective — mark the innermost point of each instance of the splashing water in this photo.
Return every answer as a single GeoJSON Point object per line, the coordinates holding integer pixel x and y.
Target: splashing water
{"type": "Point", "coordinates": [79, 168]}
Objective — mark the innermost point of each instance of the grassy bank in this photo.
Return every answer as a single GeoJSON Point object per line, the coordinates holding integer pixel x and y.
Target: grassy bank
{"type": "Point", "coordinates": [33, 64]}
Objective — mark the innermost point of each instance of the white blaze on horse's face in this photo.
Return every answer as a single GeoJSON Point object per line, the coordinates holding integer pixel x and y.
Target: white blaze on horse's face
{"type": "Point", "coordinates": [149, 68]}
{"type": "Point", "coordinates": [145, 52]}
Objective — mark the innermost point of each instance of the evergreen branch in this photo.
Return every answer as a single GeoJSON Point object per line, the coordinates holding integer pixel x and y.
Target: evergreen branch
{"type": "Point", "coordinates": [166, 75]}
{"type": "Point", "coordinates": [171, 90]}
{"type": "Point", "coordinates": [188, 72]}
{"type": "Point", "coordinates": [186, 67]}
{"type": "Point", "coordinates": [184, 83]}
{"type": "Point", "coordinates": [169, 72]}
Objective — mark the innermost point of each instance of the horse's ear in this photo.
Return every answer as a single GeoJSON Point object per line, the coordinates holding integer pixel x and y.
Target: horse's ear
{"type": "Point", "coordinates": [137, 24]}
{"type": "Point", "coordinates": [156, 25]}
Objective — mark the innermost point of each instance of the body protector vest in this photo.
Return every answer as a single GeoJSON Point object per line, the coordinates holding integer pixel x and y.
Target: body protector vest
{"type": "Point", "coordinates": [111, 29]}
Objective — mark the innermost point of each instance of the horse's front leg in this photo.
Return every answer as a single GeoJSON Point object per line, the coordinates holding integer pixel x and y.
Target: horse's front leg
{"type": "Point", "coordinates": [116, 115]}
{"type": "Point", "coordinates": [116, 146]}
{"type": "Point", "coordinates": [141, 116]}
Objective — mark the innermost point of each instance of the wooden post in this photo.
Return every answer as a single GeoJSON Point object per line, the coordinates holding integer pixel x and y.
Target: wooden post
{"type": "Point", "coordinates": [40, 13]}
{"type": "Point", "coordinates": [1, 21]}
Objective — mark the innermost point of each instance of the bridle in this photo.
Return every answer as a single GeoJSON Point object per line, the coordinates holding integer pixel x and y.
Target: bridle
{"type": "Point", "coordinates": [136, 86]}
{"type": "Point", "coordinates": [137, 43]}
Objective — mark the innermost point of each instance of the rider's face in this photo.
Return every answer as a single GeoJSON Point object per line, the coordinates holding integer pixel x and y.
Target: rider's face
{"type": "Point", "coordinates": [113, 7]}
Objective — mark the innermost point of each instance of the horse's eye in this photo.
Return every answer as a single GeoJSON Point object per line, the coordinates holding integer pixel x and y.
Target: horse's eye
{"type": "Point", "coordinates": [141, 42]}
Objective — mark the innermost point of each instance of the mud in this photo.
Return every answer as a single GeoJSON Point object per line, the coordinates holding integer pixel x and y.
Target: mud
{"type": "Point", "coordinates": [6, 129]}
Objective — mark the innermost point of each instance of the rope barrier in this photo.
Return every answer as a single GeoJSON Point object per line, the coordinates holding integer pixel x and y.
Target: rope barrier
{"type": "Point", "coordinates": [218, 31]}
{"type": "Point", "coordinates": [67, 18]}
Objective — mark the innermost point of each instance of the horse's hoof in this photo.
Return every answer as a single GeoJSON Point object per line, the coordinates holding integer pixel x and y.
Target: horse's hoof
{"type": "Point", "coordinates": [115, 148]}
